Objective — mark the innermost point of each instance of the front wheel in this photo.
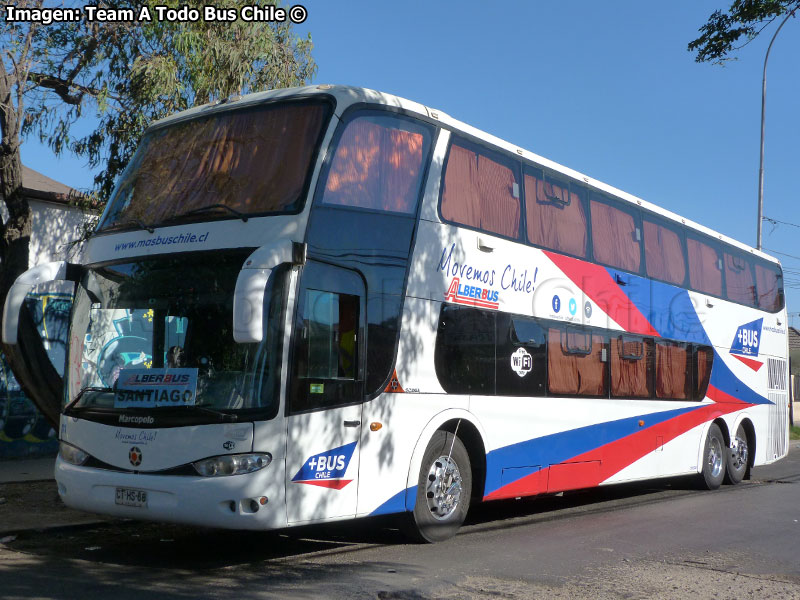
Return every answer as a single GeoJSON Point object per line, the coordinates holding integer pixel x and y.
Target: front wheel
{"type": "Point", "coordinates": [714, 458]}
{"type": "Point", "coordinates": [443, 491]}
{"type": "Point", "coordinates": [737, 456]}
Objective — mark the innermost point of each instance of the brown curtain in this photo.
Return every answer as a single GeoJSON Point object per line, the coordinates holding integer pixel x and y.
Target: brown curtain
{"type": "Point", "coordinates": [704, 272]}
{"type": "Point", "coordinates": [767, 284]}
{"type": "Point", "coordinates": [614, 237]}
{"type": "Point", "coordinates": [663, 253]}
{"type": "Point", "coordinates": [705, 359]}
{"type": "Point", "coordinates": [461, 200]}
{"type": "Point", "coordinates": [499, 208]}
{"type": "Point", "coordinates": [739, 284]}
{"type": "Point", "coordinates": [574, 364]}
{"type": "Point", "coordinates": [479, 192]}
{"type": "Point", "coordinates": [377, 167]}
{"type": "Point", "coordinates": [631, 368]}
{"type": "Point", "coordinates": [672, 371]}
{"type": "Point", "coordinates": [555, 218]}
{"type": "Point", "coordinates": [252, 160]}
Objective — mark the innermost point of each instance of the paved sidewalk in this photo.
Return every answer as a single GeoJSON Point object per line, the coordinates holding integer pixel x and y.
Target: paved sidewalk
{"type": "Point", "coordinates": [27, 469]}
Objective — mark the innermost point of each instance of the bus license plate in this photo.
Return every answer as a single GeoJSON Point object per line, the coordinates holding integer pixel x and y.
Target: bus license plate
{"type": "Point", "coordinates": [131, 497]}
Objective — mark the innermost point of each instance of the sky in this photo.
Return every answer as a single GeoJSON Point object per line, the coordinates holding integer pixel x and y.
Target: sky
{"type": "Point", "coordinates": [605, 88]}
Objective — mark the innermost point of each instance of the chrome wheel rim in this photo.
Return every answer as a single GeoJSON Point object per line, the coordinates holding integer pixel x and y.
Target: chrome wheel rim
{"type": "Point", "coordinates": [443, 488]}
{"type": "Point", "coordinates": [715, 457]}
{"type": "Point", "coordinates": [739, 453]}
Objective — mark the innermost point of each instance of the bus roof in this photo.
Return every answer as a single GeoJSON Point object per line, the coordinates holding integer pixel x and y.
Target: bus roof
{"type": "Point", "coordinates": [347, 95]}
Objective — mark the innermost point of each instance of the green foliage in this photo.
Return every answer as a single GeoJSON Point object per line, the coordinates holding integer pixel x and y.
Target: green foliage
{"type": "Point", "coordinates": [794, 432]}
{"type": "Point", "coordinates": [132, 74]}
{"type": "Point", "coordinates": [727, 32]}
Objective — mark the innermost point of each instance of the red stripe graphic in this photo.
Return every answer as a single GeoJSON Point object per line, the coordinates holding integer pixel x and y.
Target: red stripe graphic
{"type": "Point", "coordinates": [334, 484]}
{"type": "Point", "coordinates": [593, 467]}
{"type": "Point", "coordinates": [597, 283]}
{"type": "Point", "coordinates": [753, 364]}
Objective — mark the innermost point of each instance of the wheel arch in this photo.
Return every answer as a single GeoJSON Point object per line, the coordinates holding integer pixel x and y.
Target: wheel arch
{"type": "Point", "coordinates": [746, 423]}
{"type": "Point", "coordinates": [716, 419]}
{"type": "Point", "coordinates": [471, 434]}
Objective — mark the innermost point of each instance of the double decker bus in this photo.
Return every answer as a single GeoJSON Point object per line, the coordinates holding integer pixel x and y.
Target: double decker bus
{"type": "Point", "coordinates": [327, 302]}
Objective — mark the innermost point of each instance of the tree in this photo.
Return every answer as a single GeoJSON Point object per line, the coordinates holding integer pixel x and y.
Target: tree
{"type": "Point", "coordinates": [127, 73]}
{"type": "Point", "coordinates": [726, 32]}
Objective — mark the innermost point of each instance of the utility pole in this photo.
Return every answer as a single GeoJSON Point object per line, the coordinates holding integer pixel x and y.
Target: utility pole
{"type": "Point", "coordinates": [761, 155]}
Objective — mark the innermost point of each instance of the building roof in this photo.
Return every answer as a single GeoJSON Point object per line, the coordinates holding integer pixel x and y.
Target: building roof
{"type": "Point", "coordinates": [794, 338]}
{"type": "Point", "coordinates": [41, 187]}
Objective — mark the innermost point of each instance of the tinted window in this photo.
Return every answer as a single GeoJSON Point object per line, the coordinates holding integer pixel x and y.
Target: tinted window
{"type": "Point", "coordinates": [631, 367]}
{"type": "Point", "coordinates": [702, 361]}
{"type": "Point", "coordinates": [739, 283]}
{"type": "Point", "coordinates": [328, 339]}
{"type": "Point", "coordinates": [465, 350]}
{"type": "Point", "coordinates": [769, 286]}
{"type": "Point", "coordinates": [480, 190]}
{"type": "Point", "coordinates": [663, 252]}
{"type": "Point", "coordinates": [576, 363]}
{"type": "Point", "coordinates": [378, 164]}
{"type": "Point", "coordinates": [672, 371]}
{"type": "Point", "coordinates": [254, 160]}
{"type": "Point", "coordinates": [556, 214]}
{"type": "Point", "coordinates": [521, 356]}
{"type": "Point", "coordinates": [705, 266]}
{"type": "Point", "coordinates": [615, 237]}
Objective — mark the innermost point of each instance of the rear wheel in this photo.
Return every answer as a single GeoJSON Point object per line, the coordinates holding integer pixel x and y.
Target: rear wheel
{"type": "Point", "coordinates": [738, 456]}
{"type": "Point", "coordinates": [714, 458]}
{"type": "Point", "coordinates": [444, 489]}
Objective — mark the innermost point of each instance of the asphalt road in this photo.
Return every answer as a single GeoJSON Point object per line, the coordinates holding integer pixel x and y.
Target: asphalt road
{"type": "Point", "coordinates": [660, 540]}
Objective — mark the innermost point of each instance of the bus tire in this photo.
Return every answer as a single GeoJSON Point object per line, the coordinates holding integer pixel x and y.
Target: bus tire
{"type": "Point", "coordinates": [443, 491]}
{"type": "Point", "coordinates": [737, 457]}
{"type": "Point", "coordinates": [714, 458]}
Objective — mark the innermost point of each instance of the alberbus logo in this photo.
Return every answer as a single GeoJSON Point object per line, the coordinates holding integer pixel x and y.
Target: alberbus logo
{"type": "Point", "coordinates": [472, 295]}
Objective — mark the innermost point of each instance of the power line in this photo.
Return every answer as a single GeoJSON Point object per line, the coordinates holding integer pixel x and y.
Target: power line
{"type": "Point", "coordinates": [778, 222]}
{"type": "Point", "coordinates": [782, 253]}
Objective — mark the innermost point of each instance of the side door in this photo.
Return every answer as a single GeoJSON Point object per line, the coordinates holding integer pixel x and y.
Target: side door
{"type": "Point", "coordinates": [325, 395]}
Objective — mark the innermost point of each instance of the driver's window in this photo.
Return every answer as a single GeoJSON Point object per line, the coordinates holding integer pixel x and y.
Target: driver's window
{"type": "Point", "coordinates": [328, 340]}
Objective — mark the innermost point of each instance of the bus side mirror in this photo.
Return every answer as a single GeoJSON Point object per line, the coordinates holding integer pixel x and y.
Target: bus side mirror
{"type": "Point", "coordinates": [44, 273]}
{"type": "Point", "coordinates": [251, 285]}
{"type": "Point", "coordinates": [248, 305]}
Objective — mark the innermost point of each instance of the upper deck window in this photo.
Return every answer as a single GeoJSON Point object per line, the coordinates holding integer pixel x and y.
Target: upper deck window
{"type": "Point", "coordinates": [253, 160]}
{"type": "Point", "coordinates": [378, 164]}
{"type": "Point", "coordinates": [769, 285]}
{"type": "Point", "coordinates": [739, 283]}
{"type": "Point", "coordinates": [556, 215]}
{"type": "Point", "coordinates": [663, 251]}
{"type": "Point", "coordinates": [481, 191]}
{"type": "Point", "coordinates": [705, 267]}
{"type": "Point", "coordinates": [616, 238]}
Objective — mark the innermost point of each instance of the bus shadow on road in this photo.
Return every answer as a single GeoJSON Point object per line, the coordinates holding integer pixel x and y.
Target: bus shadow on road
{"type": "Point", "coordinates": [145, 544]}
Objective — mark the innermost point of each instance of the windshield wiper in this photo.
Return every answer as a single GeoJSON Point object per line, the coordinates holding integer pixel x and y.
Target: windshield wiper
{"type": "Point", "coordinates": [82, 392]}
{"type": "Point", "coordinates": [224, 416]}
{"type": "Point", "coordinates": [211, 207]}
{"type": "Point", "coordinates": [138, 222]}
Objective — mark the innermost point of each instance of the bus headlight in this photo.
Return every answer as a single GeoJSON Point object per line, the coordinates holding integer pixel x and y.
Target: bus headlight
{"type": "Point", "coordinates": [72, 454]}
{"type": "Point", "coordinates": [232, 464]}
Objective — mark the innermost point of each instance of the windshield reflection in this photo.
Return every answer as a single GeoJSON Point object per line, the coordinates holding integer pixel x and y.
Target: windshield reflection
{"type": "Point", "coordinates": [157, 333]}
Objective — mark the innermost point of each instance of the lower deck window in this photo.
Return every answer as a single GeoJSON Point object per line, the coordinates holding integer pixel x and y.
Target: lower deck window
{"type": "Point", "coordinates": [576, 363]}
{"type": "Point", "coordinates": [672, 371]}
{"type": "Point", "coordinates": [631, 367]}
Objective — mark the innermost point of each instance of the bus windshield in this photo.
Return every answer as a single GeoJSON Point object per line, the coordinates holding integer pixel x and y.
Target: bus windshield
{"type": "Point", "coordinates": [249, 161]}
{"type": "Point", "coordinates": [157, 333]}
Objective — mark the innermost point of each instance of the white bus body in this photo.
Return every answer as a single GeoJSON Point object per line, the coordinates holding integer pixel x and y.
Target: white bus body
{"type": "Point", "coordinates": [380, 344]}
